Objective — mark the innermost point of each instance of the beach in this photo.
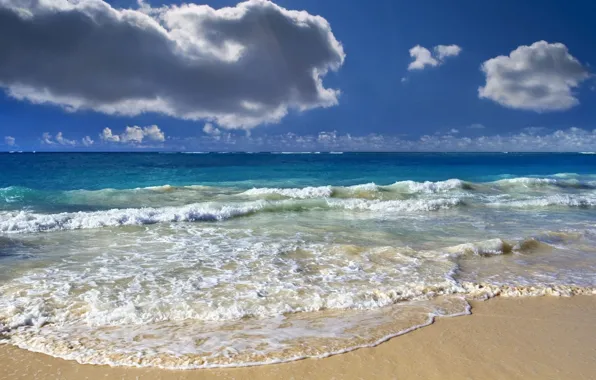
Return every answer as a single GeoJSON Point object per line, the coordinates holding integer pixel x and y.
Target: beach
{"type": "Point", "coordinates": [172, 263]}
{"type": "Point", "coordinates": [504, 338]}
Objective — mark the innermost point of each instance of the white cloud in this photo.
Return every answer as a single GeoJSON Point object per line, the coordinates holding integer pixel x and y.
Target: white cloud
{"type": "Point", "coordinates": [211, 130]}
{"type": "Point", "coordinates": [239, 66]}
{"type": "Point", "coordinates": [454, 131]}
{"type": "Point", "coordinates": [46, 138]}
{"type": "Point", "coordinates": [87, 141]}
{"type": "Point", "coordinates": [540, 77]}
{"type": "Point", "coordinates": [444, 51]}
{"type": "Point", "coordinates": [423, 57]}
{"type": "Point", "coordinates": [134, 135]}
{"type": "Point", "coordinates": [476, 126]}
{"type": "Point", "coordinates": [60, 139]}
{"type": "Point", "coordinates": [106, 135]}
{"type": "Point", "coordinates": [9, 140]}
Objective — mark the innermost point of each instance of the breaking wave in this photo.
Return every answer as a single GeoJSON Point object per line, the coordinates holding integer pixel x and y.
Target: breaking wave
{"type": "Point", "coordinates": [26, 221]}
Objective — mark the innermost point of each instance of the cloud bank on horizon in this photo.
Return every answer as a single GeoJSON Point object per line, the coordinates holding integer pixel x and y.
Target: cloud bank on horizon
{"type": "Point", "coordinates": [532, 139]}
{"type": "Point", "coordinates": [239, 66]}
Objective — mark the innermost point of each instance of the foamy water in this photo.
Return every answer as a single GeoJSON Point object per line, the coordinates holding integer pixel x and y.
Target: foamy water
{"type": "Point", "coordinates": [203, 275]}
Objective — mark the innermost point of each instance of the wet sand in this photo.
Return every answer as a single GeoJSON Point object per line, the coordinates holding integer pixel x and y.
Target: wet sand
{"type": "Point", "coordinates": [504, 338]}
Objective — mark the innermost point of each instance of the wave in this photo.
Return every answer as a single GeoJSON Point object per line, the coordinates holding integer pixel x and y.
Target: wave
{"type": "Point", "coordinates": [567, 189]}
{"type": "Point", "coordinates": [531, 182]}
{"type": "Point", "coordinates": [429, 187]}
{"type": "Point", "coordinates": [396, 206]}
{"type": "Point", "coordinates": [409, 187]}
{"type": "Point", "coordinates": [25, 221]}
{"type": "Point", "coordinates": [568, 200]}
{"type": "Point", "coordinates": [299, 193]}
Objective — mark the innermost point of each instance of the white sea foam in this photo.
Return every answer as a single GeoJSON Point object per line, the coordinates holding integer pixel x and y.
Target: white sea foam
{"type": "Point", "coordinates": [194, 296]}
{"type": "Point", "coordinates": [483, 248]}
{"type": "Point", "coordinates": [569, 200]}
{"type": "Point", "coordinates": [371, 187]}
{"type": "Point", "coordinates": [299, 193]}
{"type": "Point", "coordinates": [396, 206]}
{"type": "Point", "coordinates": [428, 187]}
{"type": "Point", "coordinates": [526, 181]}
{"type": "Point", "coordinates": [24, 221]}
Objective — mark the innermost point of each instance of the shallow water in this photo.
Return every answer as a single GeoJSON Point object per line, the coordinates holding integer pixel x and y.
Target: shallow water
{"type": "Point", "coordinates": [186, 261]}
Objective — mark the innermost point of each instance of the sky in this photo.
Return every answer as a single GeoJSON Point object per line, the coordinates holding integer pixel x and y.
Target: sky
{"type": "Point", "coordinates": [308, 75]}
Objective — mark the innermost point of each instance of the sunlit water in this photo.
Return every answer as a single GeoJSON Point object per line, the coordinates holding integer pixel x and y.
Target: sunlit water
{"type": "Point", "coordinates": [187, 261]}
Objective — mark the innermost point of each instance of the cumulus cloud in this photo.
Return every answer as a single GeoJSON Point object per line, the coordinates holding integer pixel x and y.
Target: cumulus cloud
{"type": "Point", "coordinates": [444, 51]}
{"type": "Point", "coordinates": [211, 130]}
{"type": "Point", "coordinates": [134, 135]}
{"type": "Point", "coordinates": [87, 141]}
{"type": "Point", "coordinates": [238, 66]}
{"type": "Point", "coordinates": [540, 77]}
{"type": "Point", "coordinates": [46, 138]}
{"type": "Point", "coordinates": [423, 57]}
{"type": "Point", "coordinates": [476, 126]}
{"type": "Point", "coordinates": [60, 139]}
{"type": "Point", "coordinates": [9, 140]}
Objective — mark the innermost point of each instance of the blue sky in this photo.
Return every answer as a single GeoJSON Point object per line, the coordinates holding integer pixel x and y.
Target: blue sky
{"type": "Point", "coordinates": [382, 104]}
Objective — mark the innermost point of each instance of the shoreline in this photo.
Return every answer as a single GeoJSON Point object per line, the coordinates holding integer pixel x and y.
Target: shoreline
{"type": "Point", "coordinates": [503, 338]}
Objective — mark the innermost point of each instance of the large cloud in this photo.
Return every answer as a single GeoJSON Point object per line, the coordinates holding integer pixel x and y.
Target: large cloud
{"type": "Point", "coordinates": [239, 66]}
{"type": "Point", "coordinates": [540, 77]}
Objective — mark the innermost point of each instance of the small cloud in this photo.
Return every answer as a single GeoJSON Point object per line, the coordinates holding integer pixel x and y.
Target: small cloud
{"type": "Point", "coordinates": [327, 137]}
{"type": "Point", "coordinates": [444, 51]}
{"type": "Point", "coordinates": [153, 133]}
{"type": "Point", "coordinates": [404, 79]}
{"type": "Point", "coordinates": [423, 57]}
{"type": "Point", "coordinates": [9, 140]}
{"type": "Point", "coordinates": [46, 138]}
{"type": "Point", "coordinates": [211, 130]}
{"type": "Point", "coordinates": [476, 126]}
{"type": "Point", "coordinates": [60, 139]}
{"type": "Point", "coordinates": [134, 135]}
{"type": "Point", "coordinates": [533, 130]}
{"type": "Point", "coordinates": [87, 141]}
{"type": "Point", "coordinates": [454, 131]}
{"type": "Point", "coordinates": [106, 135]}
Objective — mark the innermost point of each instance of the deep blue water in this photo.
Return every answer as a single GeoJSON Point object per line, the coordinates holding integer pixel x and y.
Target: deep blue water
{"type": "Point", "coordinates": [93, 171]}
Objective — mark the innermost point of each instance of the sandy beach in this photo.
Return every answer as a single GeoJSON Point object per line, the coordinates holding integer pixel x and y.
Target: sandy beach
{"type": "Point", "coordinates": [504, 338]}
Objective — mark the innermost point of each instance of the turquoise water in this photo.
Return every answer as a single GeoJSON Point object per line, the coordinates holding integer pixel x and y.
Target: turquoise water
{"type": "Point", "coordinates": [201, 260]}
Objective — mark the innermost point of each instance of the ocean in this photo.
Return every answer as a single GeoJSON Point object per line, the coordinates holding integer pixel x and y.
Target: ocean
{"type": "Point", "coordinates": [231, 259]}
